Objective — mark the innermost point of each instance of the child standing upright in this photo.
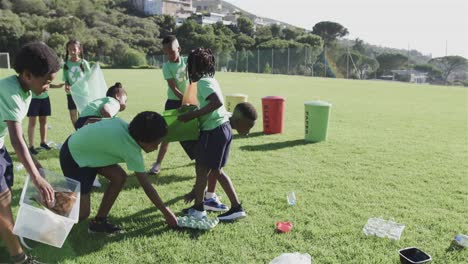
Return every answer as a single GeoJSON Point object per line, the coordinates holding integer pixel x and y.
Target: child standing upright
{"type": "Point", "coordinates": [212, 149]}
{"type": "Point", "coordinates": [36, 65]}
{"type": "Point", "coordinates": [73, 70]}
{"type": "Point", "coordinates": [39, 107]}
{"type": "Point", "coordinates": [177, 82]}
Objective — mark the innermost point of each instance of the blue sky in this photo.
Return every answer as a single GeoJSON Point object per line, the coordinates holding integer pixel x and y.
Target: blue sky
{"type": "Point", "coordinates": [429, 26]}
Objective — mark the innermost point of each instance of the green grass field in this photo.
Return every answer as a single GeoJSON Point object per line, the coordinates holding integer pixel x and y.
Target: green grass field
{"type": "Point", "coordinates": [394, 150]}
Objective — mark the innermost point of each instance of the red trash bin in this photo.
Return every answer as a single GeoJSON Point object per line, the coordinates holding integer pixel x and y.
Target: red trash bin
{"type": "Point", "coordinates": [273, 114]}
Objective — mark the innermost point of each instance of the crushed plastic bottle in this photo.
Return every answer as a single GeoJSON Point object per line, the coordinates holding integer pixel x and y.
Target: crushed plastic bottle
{"type": "Point", "coordinates": [19, 167]}
{"type": "Point", "coordinates": [291, 198]}
{"type": "Point", "coordinates": [383, 228]}
{"type": "Point", "coordinates": [461, 240]}
{"type": "Point", "coordinates": [292, 258]}
{"type": "Point", "coordinates": [58, 145]}
{"type": "Point", "coordinates": [49, 126]}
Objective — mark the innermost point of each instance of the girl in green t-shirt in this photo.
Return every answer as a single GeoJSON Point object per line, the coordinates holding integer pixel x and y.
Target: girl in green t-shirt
{"type": "Point", "coordinates": [73, 70]}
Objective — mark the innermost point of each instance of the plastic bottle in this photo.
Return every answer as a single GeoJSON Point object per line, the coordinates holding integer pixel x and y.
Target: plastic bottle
{"type": "Point", "coordinates": [461, 240]}
{"type": "Point", "coordinates": [19, 167]}
{"type": "Point", "coordinates": [291, 198]}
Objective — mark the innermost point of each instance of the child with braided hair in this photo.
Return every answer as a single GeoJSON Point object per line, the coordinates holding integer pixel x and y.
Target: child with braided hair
{"type": "Point", "coordinates": [73, 70]}
{"type": "Point", "coordinates": [212, 148]}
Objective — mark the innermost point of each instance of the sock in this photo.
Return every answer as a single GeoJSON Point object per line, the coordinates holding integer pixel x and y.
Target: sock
{"type": "Point", "coordinates": [209, 195]}
{"type": "Point", "coordinates": [20, 258]}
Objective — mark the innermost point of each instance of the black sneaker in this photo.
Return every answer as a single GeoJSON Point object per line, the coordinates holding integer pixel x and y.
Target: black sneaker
{"type": "Point", "coordinates": [25, 259]}
{"type": "Point", "coordinates": [233, 214]}
{"type": "Point", "coordinates": [104, 227]}
{"type": "Point", "coordinates": [45, 146]}
{"type": "Point", "coordinates": [33, 151]}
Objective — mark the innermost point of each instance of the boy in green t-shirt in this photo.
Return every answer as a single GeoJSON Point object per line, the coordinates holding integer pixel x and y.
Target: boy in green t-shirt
{"type": "Point", "coordinates": [107, 107]}
{"type": "Point", "coordinates": [212, 149]}
{"type": "Point", "coordinates": [98, 148]}
{"type": "Point", "coordinates": [36, 65]}
{"type": "Point", "coordinates": [177, 82]}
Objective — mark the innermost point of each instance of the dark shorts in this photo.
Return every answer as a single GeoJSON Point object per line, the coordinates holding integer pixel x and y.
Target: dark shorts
{"type": "Point", "coordinates": [6, 170]}
{"type": "Point", "coordinates": [188, 146]}
{"type": "Point", "coordinates": [212, 150]}
{"type": "Point", "coordinates": [71, 169]}
{"type": "Point", "coordinates": [39, 107]}
{"type": "Point", "coordinates": [172, 104]}
{"type": "Point", "coordinates": [70, 102]}
{"type": "Point", "coordinates": [82, 120]}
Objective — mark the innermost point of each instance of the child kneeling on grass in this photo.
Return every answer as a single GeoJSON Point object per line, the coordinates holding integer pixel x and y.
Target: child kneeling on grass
{"type": "Point", "coordinates": [98, 148]}
{"type": "Point", "coordinates": [212, 148]}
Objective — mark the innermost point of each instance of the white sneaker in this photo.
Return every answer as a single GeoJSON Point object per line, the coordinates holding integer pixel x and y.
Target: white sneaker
{"type": "Point", "coordinates": [197, 214]}
{"type": "Point", "coordinates": [96, 183]}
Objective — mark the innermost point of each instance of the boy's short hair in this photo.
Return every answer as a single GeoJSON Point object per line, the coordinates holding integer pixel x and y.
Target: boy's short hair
{"type": "Point", "coordinates": [169, 39]}
{"type": "Point", "coordinates": [37, 58]}
{"type": "Point", "coordinates": [113, 90]}
{"type": "Point", "coordinates": [246, 110]}
{"type": "Point", "coordinates": [147, 127]}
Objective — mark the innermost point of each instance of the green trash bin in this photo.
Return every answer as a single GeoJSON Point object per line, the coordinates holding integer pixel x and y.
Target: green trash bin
{"type": "Point", "coordinates": [177, 130]}
{"type": "Point", "coordinates": [316, 120]}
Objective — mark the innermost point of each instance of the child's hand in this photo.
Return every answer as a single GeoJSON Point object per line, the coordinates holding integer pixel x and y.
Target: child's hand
{"type": "Point", "coordinates": [67, 88]}
{"type": "Point", "coordinates": [46, 191]}
{"type": "Point", "coordinates": [171, 219]}
{"type": "Point", "coordinates": [187, 116]}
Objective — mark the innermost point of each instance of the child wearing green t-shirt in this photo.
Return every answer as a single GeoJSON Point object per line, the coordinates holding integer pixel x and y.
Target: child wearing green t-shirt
{"type": "Point", "coordinates": [107, 107]}
{"type": "Point", "coordinates": [212, 149]}
{"type": "Point", "coordinates": [177, 82]}
{"type": "Point", "coordinates": [98, 148]}
{"type": "Point", "coordinates": [39, 107]}
{"type": "Point", "coordinates": [73, 70]}
{"type": "Point", "coordinates": [36, 65]}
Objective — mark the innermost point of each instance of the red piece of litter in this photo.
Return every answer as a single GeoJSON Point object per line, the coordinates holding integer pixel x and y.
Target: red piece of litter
{"type": "Point", "coordinates": [284, 227]}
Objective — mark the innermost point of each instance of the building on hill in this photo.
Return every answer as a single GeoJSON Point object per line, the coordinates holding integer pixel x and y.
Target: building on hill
{"type": "Point", "coordinates": [208, 6]}
{"type": "Point", "coordinates": [164, 7]}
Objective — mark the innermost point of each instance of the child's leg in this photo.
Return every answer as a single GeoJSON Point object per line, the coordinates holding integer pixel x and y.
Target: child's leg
{"type": "Point", "coordinates": [200, 183]}
{"type": "Point", "coordinates": [6, 224]}
{"type": "Point", "coordinates": [117, 177]}
{"type": "Point", "coordinates": [43, 128]}
{"type": "Point", "coordinates": [227, 186]}
{"type": "Point", "coordinates": [31, 128]}
{"type": "Point", "coordinates": [85, 206]}
{"type": "Point", "coordinates": [211, 183]}
{"type": "Point", "coordinates": [73, 116]}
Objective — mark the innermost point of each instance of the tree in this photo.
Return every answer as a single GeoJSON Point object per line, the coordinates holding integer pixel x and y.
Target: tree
{"type": "Point", "coordinates": [244, 42]}
{"type": "Point", "coordinates": [449, 65]}
{"type": "Point", "coordinates": [276, 30]}
{"type": "Point", "coordinates": [57, 42]}
{"type": "Point", "coordinates": [329, 31]}
{"type": "Point", "coordinates": [357, 64]}
{"type": "Point", "coordinates": [11, 31]}
{"type": "Point", "coordinates": [245, 25]}
{"type": "Point", "coordinates": [290, 33]}
{"type": "Point", "coordinates": [311, 39]}
{"type": "Point", "coordinates": [263, 34]}
{"type": "Point", "coordinates": [166, 24]}
{"type": "Point", "coordinates": [390, 61]}
{"type": "Point", "coordinates": [30, 6]}
{"type": "Point", "coordinates": [359, 46]}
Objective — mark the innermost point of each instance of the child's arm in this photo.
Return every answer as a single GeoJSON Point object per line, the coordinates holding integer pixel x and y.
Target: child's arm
{"type": "Point", "coordinates": [153, 195]}
{"type": "Point", "coordinates": [31, 165]}
{"type": "Point", "coordinates": [57, 85]}
{"type": "Point", "coordinates": [214, 103]}
{"type": "Point", "coordinates": [109, 111]}
{"type": "Point", "coordinates": [173, 85]}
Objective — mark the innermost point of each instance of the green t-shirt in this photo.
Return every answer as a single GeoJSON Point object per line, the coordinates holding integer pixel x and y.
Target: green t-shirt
{"type": "Point", "coordinates": [14, 104]}
{"type": "Point", "coordinates": [176, 71]}
{"type": "Point", "coordinates": [41, 96]}
{"type": "Point", "coordinates": [105, 143]}
{"type": "Point", "coordinates": [205, 87]}
{"type": "Point", "coordinates": [94, 108]}
{"type": "Point", "coordinates": [74, 72]}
